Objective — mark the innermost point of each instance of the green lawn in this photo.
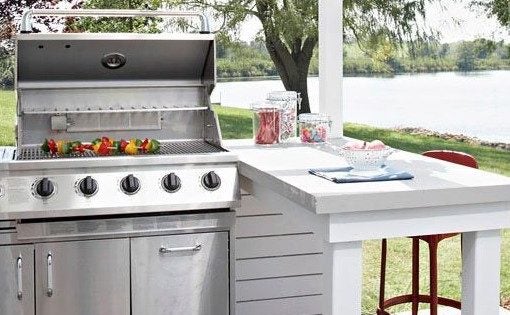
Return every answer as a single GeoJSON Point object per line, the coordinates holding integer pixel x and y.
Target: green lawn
{"type": "Point", "coordinates": [7, 117]}
{"type": "Point", "coordinates": [236, 123]}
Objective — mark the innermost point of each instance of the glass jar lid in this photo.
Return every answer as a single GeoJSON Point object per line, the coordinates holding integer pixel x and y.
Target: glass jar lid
{"type": "Point", "coordinates": [314, 118]}
{"type": "Point", "coordinates": [282, 96]}
{"type": "Point", "coordinates": [265, 106]}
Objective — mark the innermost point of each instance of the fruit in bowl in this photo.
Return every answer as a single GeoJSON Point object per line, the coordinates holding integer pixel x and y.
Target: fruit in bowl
{"type": "Point", "coordinates": [365, 156]}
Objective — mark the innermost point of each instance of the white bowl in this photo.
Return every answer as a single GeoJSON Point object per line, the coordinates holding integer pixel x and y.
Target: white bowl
{"type": "Point", "coordinates": [365, 159]}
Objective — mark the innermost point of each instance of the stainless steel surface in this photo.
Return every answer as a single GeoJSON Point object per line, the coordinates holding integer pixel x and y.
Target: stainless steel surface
{"type": "Point", "coordinates": [166, 250]}
{"type": "Point", "coordinates": [15, 167]}
{"type": "Point", "coordinates": [17, 276]}
{"type": "Point", "coordinates": [162, 91]}
{"type": "Point", "coordinates": [26, 19]}
{"type": "Point", "coordinates": [7, 225]}
{"type": "Point", "coordinates": [22, 202]}
{"type": "Point", "coordinates": [80, 229]}
{"type": "Point", "coordinates": [89, 277]}
{"type": "Point", "coordinates": [191, 283]}
{"type": "Point", "coordinates": [49, 275]}
{"type": "Point", "coordinates": [110, 110]}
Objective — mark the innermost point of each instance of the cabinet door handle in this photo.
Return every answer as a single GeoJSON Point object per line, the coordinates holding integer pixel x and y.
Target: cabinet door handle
{"type": "Point", "coordinates": [49, 264]}
{"type": "Point", "coordinates": [19, 276]}
{"type": "Point", "coordinates": [165, 250]}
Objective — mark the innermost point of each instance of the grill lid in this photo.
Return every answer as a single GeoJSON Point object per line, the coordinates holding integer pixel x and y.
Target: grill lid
{"type": "Point", "coordinates": [83, 86]}
{"type": "Point", "coordinates": [117, 60]}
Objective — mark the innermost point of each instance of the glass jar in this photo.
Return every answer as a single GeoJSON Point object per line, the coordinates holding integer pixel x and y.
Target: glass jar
{"type": "Point", "coordinates": [288, 102]}
{"type": "Point", "coordinates": [314, 128]}
{"type": "Point", "coordinates": [266, 123]}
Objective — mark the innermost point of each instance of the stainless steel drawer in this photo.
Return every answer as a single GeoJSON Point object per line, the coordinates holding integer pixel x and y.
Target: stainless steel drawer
{"type": "Point", "coordinates": [180, 274]}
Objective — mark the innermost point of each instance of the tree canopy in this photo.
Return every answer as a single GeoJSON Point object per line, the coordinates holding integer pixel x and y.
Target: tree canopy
{"type": "Point", "coordinates": [499, 9]}
{"type": "Point", "coordinates": [290, 28]}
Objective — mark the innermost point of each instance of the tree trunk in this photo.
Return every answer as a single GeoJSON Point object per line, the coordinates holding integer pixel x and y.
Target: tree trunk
{"type": "Point", "coordinates": [293, 66]}
{"type": "Point", "coordinates": [300, 85]}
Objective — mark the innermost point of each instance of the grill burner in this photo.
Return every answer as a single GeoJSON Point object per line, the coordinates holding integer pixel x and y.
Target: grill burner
{"type": "Point", "coordinates": [168, 148]}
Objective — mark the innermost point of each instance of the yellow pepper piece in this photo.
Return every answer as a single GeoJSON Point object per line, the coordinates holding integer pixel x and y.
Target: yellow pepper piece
{"type": "Point", "coordinates": [96, 147]}
{"type": "Point", "coordinates": [131, 148]}
{"type": "Point", "coordinates": [60, 147]}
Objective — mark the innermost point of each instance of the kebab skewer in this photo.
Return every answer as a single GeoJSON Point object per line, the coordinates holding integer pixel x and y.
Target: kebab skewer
{"type": "Point", "coordinates": [101, 146]}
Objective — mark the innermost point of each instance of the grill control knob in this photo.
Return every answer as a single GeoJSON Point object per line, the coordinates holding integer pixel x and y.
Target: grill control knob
{"type": "Point", "coordinates": [171, 182]}
{"type": "Point", "coordinates": [44, 188]}
{"type": "Point", "coordinates": [88, 186]}
{"type": "Point", "coordinates": [211, 181]}
{"type": "Point", "coordinates": [130, 184]}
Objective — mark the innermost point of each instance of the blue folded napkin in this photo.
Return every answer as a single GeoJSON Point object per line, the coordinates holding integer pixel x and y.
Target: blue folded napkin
{"type": "Point", "coordinates": [346, 175]}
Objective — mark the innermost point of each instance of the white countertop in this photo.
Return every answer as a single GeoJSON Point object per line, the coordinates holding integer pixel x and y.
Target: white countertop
{"type": "Point", "coordinates": [284, 169]}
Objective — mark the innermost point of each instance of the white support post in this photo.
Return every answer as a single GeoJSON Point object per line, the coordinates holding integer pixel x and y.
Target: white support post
{"type": "Point", "coordinates": [480, 272]}
{"type": "Point", "coordinates": [331, 62]}
{"type": "Point", "coordinates": [346, 279]}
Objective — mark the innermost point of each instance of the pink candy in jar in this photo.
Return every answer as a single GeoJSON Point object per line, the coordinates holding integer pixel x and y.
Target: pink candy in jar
{"type": "Point", "coordinates": [314, 128]}
{"type": "Point", "coordinates": [266, 124]}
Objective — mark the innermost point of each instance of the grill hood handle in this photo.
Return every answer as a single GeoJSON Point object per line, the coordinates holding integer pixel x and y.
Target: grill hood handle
{"type": "Point", "coordinates": [26, 19]}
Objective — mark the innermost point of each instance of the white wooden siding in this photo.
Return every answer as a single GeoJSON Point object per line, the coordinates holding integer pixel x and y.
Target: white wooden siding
{"type": "Point", "coordinates": [279, 262]}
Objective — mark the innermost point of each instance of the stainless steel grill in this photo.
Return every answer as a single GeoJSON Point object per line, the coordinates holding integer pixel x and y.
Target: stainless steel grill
{"type": "Point", "coordinates": [143, 214]}
{"type": "Point", "coordinates": [32, 153]}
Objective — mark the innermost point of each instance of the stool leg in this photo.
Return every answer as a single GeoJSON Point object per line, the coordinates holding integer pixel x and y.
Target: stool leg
{"type": "Point", "coordinates": [433, 276]}
{"type": "Point", "coordinates": [384, 245]}
{"type": "Point", "coordinates": [416, 275]}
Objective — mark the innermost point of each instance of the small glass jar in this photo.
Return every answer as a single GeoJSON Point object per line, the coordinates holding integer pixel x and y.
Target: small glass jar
{"type": "Point", "coordinates": [314, 128]}
{"type": "Point", "coordinates": [266, 123]}
{"type": "Point", "coordinates": [288, 102]}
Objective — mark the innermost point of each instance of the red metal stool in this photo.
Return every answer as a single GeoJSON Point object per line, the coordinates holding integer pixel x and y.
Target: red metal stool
{"type": "Point", "coordinates": [433, 241]}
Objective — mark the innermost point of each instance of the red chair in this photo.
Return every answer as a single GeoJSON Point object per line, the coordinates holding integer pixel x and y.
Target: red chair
{"type": "Point", "coordinates": [433, 241]}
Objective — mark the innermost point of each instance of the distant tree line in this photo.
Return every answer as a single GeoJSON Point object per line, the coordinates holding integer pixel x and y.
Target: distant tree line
{"type": "Point", "coordinates": [240, 59]}
{"type": "Point", "coordinates": [431, 56]}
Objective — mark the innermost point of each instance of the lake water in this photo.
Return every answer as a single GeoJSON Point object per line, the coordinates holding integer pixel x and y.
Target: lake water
{"type": "Point", "coordinates": [473, 104]}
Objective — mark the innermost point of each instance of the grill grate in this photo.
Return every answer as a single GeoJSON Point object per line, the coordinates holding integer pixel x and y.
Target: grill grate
{"type": "Point", "coordinates": [167, 148]}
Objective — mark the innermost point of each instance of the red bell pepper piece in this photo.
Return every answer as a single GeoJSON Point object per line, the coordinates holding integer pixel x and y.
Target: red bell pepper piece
{"type": "Point", "coordinates": [104, 149]}
{"type": "Point", "coordinates": [144, 145]}
{"type": "Point", "coordinates": [52, 146]}
{"type": "Point", "coordinates": [123, 145]}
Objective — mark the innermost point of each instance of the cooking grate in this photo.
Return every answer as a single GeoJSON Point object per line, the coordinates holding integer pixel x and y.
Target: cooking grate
{"type": "Point", "coordinates": [167, 148]}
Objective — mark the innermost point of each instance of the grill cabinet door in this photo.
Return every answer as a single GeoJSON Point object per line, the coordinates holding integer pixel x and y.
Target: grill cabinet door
{"type": "Point", "coordinates": [83, 278]}
{"type": "Point", "coordinates": [180, 274]}
{"type": "Point", "coordinates": [17, 280]}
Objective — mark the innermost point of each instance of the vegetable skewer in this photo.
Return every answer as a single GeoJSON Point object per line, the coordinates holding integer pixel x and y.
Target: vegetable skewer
{"type": "Point", "coordinates": [104, 146]}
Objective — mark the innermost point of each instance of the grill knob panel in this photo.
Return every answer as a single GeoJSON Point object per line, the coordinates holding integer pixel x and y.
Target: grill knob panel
{"type": "Point", "coordinates": [130, 184]}
{"type": "Point", "coordinates": [45, 188]}
{"type": "Point", "coordinates": [211, 181]}
{"type": "Point", "coordinates": [171, 183]}
{"type": "Point", "coordinates": [88, 186]}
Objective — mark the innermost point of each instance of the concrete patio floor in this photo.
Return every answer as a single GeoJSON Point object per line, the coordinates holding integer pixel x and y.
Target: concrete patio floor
{"type": "Point", "coordinates": [449, 311]}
